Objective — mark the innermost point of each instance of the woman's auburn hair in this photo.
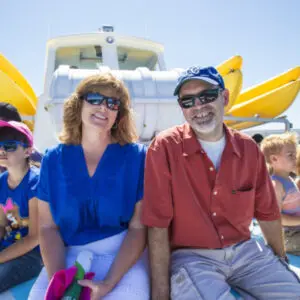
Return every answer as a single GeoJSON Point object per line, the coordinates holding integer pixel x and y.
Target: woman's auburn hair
{"type": "Point", "coordinates": [123, 132]}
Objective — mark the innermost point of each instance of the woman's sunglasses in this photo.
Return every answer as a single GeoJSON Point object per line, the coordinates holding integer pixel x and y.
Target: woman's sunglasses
{"type": "Point", "coordinates": [204, 97]}
{"type": "Point", "coordinates": [11, 146]}
{"type": "Point", "coordinates": [97, 99]}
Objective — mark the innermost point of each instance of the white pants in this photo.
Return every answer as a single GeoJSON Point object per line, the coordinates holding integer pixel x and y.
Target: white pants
{"type": "Point", "coordinates": [133, 286]}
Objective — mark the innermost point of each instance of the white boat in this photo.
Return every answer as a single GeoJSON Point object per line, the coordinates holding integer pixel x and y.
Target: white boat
{"type": "Point", "coordinates": [138, 62]}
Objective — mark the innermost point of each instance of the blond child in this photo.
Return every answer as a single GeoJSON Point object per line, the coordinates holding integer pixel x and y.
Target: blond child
{"type": "Point", "coordinates": [280, 153]}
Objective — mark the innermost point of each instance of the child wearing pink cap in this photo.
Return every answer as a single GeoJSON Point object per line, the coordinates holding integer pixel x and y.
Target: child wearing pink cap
{"type": "Point", "coordinates": [20, 258]}
{"type": "Point", "coordinates": [8, 113]}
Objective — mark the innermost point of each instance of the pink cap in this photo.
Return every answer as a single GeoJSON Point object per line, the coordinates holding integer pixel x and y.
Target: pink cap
{"type": "Point", "coordinates": [21, 127]}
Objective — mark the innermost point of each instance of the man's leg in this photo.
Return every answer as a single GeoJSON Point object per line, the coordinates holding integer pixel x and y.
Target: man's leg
{"type": "Point", "coordinates": [19, 270]}
{"type": "Point", "coordinates": [259, 274]}
{"type": "Point", "coordinates": [199, 275]}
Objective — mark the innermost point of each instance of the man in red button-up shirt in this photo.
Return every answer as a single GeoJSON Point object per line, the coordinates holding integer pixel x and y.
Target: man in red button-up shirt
{"type": "Point", "coordinates": [204, 183]}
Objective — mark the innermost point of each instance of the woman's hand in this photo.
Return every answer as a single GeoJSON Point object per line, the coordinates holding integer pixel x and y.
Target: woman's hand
{"type": "Point", "coordinates": [99, 289]}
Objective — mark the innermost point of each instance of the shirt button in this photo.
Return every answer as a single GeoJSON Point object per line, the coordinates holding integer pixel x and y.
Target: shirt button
{"type": "Point", "coordinates": [222, 237]}
{"type": "Point", "coordinates": [214, 214]}
{"type": "Point", "coordinates": [215, 193]}
{"type": "Point", "coordinates": [211, 169]}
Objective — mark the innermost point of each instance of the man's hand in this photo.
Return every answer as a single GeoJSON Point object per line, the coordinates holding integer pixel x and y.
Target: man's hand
{"type": "Point", "coordinates": [99, 289]}
{"type": "Point", "coordinates": [272, 231]}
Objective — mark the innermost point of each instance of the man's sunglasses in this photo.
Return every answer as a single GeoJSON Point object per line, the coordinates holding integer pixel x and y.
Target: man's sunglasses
{"type": "Point", "coordinates": [97, 99]}
{"type": "Point", "coordinates": [11, 146]}
{"type": "Point", "coordinates": [206, 96]}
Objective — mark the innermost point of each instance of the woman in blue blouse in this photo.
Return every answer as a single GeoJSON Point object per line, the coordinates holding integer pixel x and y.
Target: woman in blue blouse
{"type": "Point", "coordinates": [90, 193]}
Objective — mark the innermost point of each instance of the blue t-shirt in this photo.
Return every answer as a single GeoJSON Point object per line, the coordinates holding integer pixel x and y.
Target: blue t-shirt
{"type": "Point", "coordinates": [15, 204]}
{"type": "Point", "coordinates": [88, 209]}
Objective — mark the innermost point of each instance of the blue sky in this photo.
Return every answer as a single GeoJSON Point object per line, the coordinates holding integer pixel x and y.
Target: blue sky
{"type": "Point", "coordinates": [265, 33]}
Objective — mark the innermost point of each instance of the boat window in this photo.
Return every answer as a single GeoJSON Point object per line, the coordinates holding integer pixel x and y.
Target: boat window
{"type": "Point", "coordinates": [79, 57]}
{"type": "Point", "coordinates": [132, 58]}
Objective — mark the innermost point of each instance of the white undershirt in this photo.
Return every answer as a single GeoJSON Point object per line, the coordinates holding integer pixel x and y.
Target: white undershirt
{"type": "Point", "coordinates": [214, 150]}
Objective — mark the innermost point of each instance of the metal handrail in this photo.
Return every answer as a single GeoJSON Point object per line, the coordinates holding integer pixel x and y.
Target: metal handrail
{"type": "Point", "coordinates": [257, 119]}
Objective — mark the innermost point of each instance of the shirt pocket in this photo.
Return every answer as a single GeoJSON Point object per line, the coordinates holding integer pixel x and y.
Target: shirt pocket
{"type": "Point", "coordinates": [242, 206]}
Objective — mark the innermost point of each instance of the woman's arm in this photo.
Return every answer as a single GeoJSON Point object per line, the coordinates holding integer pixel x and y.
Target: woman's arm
{"type": "Point", "coordinates": [51, 243]}
{"type": "Point", "coordinates": [130, 251]}
{"type": "Point", "coordinates": [26, 243]}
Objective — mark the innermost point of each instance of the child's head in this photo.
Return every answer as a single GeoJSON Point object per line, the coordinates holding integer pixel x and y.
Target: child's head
{"type": "Point", "coordinates": [16, 142]}
{"type": "Point", "coordinates": [9, 113]}
{"type": "Point", "coordinates": [280, 152]}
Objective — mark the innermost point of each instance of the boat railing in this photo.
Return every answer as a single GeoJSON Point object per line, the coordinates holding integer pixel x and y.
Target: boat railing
{"type": "Point", "coordinates": [257, 119]}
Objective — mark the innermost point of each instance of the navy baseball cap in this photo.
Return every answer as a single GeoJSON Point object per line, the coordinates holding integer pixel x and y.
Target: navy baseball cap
{"type": "Point", "coordinates": [207, 74]}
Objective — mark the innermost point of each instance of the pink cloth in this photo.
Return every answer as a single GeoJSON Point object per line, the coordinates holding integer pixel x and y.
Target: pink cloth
{"type": "Point", "coordinates": [62, 280]}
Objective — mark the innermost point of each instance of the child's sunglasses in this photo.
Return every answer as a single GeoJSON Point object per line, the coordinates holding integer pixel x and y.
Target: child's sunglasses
{"type": "Point", "coordinates": [97, 99]}
{"type": "Point", "coordinates": [11, 146]}
{"type": "Point", "coordinates": [206, 96]}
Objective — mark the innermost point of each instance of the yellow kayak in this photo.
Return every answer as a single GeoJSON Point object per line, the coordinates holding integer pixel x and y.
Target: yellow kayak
{"type": "Point", "coordinates": [11, 71]}
{"type": "Point", "coordinates": [268, 105]}
{"type": "Point", "coordinates": [269, 85]}
{"type": "Point", "coordinates": [15, 89]}
{"type": "Point", "coordinates": [233, 78]}
{"type": "Point", "coordinates": [244, 106]}
{"type": "Point", "coordinates": [12, 93]}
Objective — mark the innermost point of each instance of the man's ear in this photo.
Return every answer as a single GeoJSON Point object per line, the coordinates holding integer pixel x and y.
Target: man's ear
{"type": "Point", "coordinates": [226, 97]}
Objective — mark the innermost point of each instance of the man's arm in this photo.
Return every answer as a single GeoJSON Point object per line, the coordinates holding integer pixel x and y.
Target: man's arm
{"type": "Point", "coordinates": [157, 215]}
{"type": "Point", "coordinates": [272, 231]}
{"type": "Point", "coordinates": [267, 207]}
{"type": "Point", "coordinates": [159, 254]}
